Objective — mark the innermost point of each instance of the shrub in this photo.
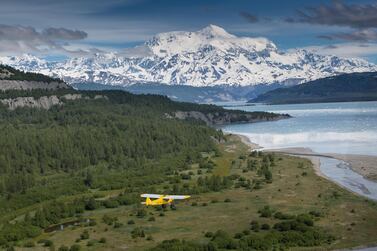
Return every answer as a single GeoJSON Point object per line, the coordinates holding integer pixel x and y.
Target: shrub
{"type": "Point", "coordinates": [75, 247]}
{"type": "Point", "coordinates": [118, 225]}
{"type": "Point", "coordinates": [185, 176]}
{"type": "Point", "coordinates": [91, 243]}
{"type": "Point", "coordinates": [208, 234]}
{"type": "Point", "coordinates": [111, 203]}
{"type": "Point", "coordinates": [102, 240]}
{"type": "Point", "coordinates": [109, 220]}
{"type": "Point", "coordinates": [238, 235]}
{"type": "Point", "coordinates": [138, 232]}
{"type": "Point", "coordinates": [48, 243]}
{"type": "Point", "coordinates": [141, 213]}
{"type": "Point", "coordinates": [265, 226]}
{"type": "Point", "coordinates": [254, 226]}
{"type": "Point", "coordinates": [246, 232]}
{"type": "Point", "coordinates": [223, 240]}
{"type": "Point", "coordinates": [63, 248]}
{"type": "Point", "coordinates": [130, 222]}
{"type": "Point", "coordinates": [306, 219]}
{"type": "Point", "coordinates": [266, 212]}
{"type": "Point", "coordinates": [84, 235]}
{"type": "Point", "coordinates": [29, 244]}
{"type": "Point", "coordinates": [282, 216]}
{"type": "Point", "coordinates": [151, 219]}
{"type": "Point", "coordinates": [91, 204]}
{"type": "Point", "coordinates": [319, 214]}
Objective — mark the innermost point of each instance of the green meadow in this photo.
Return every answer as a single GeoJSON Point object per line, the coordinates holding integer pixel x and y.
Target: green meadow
{"type": "Point", "coordinates": [293, 190]}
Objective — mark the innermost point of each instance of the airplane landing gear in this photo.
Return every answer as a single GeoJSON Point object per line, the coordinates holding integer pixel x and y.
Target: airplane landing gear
{"type": "Point", "coordinates": [172, 207]}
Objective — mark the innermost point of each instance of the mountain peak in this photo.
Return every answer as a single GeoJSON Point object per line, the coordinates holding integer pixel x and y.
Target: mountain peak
{"type": "Point", "coordinates": [213, 31]}
{"type": "Point", "coordinates": [212, 36]}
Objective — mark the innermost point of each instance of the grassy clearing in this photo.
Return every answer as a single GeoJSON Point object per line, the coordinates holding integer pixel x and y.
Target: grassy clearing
{"type": "Point", "coordinates": [295, 189]}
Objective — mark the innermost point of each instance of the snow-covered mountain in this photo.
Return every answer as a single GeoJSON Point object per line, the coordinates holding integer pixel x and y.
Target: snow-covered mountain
{"type": "Point", "coordinates": [208, 57]}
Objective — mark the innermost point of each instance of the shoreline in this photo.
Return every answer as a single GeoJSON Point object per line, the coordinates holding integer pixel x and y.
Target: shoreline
{"type": "Point", "coordinates": [315, 159]}
{"type": "Point", "coordinates": [303, 152]}
{"type": "Point", "coordinates": [365, 165]}
{"type": "Point", "coordinates": [357, 163]}
{"type": "Point", "coordinates": [306, 153]}
{"type": "Point", "coordinates": [244, 139]}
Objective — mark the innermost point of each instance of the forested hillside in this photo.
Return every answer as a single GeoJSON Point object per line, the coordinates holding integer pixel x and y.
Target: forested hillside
{"type": "Point", "coordinates": [10, 73]}
{"type": "Point", "coordinates": [342, 88]}
{"type": "Point", "coordinates": [117, 141]}
{"type": "Point", "coordinates": [124, 141]}
{"type": "Point", "coordinates": [123, 132]}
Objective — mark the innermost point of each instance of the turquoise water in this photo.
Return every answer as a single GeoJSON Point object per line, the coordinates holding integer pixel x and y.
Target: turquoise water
{"type": "Point", "coordinates": [349, 127]}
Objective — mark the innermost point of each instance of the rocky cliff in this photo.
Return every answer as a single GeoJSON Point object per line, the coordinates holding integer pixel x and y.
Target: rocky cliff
{"type": "Point", "coordinates": [44, 102]}
{"type": "Point", "coordinates": [31, 85]}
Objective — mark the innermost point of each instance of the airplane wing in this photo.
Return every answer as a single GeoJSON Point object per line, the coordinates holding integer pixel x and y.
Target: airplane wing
{"type": "Point", "coordinates": [177, 197]}
{"type": "Point", "coordinates": [167, 197]}
{"type": "Point", "coordinates": [150, 195]}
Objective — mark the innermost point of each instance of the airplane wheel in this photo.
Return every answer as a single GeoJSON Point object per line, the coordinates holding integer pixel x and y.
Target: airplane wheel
{"type": "Point", "coordinates": [172, 207]}
{"type": "Point", "coordinates": [163, 206]}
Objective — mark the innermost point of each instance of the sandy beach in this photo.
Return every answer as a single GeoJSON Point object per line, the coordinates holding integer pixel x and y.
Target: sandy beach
{"type": "Point", "coordinates": [365, 165]}
{"type": "Point", "coordinates": [247, 141]}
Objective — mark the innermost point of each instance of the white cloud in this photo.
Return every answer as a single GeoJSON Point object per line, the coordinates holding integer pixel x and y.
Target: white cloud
{"type": "Point", "coordinates": [348, 50]}
{"type": "Point", "coordinates": [17, 39]}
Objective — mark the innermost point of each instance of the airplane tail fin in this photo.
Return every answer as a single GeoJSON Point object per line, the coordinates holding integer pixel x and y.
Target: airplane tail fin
{"type": "Point", "coordinates": [148, 201]}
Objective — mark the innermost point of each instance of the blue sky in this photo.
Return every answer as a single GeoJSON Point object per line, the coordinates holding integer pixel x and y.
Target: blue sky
{"type": "Point", "coordinates": [82, 27]}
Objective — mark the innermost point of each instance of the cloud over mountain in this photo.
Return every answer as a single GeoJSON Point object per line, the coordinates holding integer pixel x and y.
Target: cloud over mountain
{"type": "Point", "coordinates": [249, 17]}
{"type": "Point", "coordinates": [340, 14]}
{"type": "Point", "coordinates": [25, 39]}
{"type": "Point", "coordinates": [361, 17]}
{"type": "Point", "coordinates": [358, 35]}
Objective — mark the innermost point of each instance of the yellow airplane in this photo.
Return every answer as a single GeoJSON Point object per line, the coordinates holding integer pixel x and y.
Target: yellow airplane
{"type": "Point", "coordinates": [162, 200]}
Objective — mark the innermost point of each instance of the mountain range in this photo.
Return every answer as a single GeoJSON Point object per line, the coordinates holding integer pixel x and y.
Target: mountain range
{"type": "Point", "coordinates": [210, 57]}
{"type": "Point", "coordinates": [341, 88]}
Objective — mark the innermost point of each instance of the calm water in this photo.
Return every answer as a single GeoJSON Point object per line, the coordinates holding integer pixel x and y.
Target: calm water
{"type": "Point", "coordinates": [324, 127]}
